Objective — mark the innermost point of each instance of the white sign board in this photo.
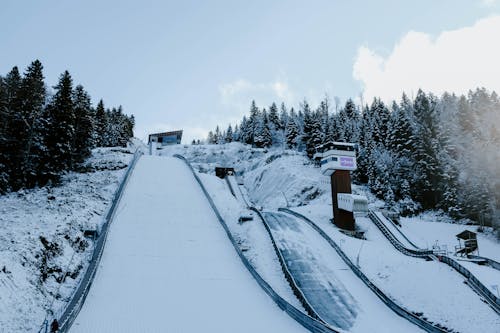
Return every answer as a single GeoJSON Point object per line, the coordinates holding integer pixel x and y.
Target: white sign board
{"type": "Point", "coordinates": [337, 162]}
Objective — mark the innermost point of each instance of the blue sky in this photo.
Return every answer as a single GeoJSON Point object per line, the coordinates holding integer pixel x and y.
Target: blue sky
{"type": "Point", "coordinates": [195, 64]}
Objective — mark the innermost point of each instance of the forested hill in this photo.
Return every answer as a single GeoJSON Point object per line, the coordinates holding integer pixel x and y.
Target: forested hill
{"type": "Point", "coordinates": [427, 153]}
{"type": "Point", "coordinates": [45, 132]}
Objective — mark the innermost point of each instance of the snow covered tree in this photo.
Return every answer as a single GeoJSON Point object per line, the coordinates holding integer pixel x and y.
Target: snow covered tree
{"type": "Point", "coordinates": [283, 116]}
{"type": "Point", "coordinates": [100, 124]}
{"type": "Point", "coordinates": [252, 122]}
{"type": "Point", "coordinates": [84, 126]}
{"type": "Point", "coordinates": [426, 150]}
{"type": "Point", "coordinates": [4, 123]}
{"type": "Point", "coordinates": [61, 128]}
{"type": "Point", "coordinates": [211, 138]}
{"type": "Point", "coordinates": [229, 134]}
{"type": "Point", "coordinates": [35, 121]}
{"type": "Point", "coordinates": [291, 131]}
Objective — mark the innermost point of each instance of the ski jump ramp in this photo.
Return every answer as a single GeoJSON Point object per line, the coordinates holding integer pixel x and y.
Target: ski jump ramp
{"type": "Point", "coordinates": [169, 267]}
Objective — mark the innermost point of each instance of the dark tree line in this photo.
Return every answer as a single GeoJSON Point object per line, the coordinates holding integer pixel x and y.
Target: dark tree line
{"type": "Point", "coordinates": [44, 133]}
{"type": "Point", "coordinates": [427, 153]}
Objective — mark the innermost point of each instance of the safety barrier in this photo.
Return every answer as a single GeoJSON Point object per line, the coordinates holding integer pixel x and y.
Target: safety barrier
{"type": "Point", "coordinates": [75, 304]}
{"type": "Point", "coordinates": [288, 275]}
{"type": "Point", "coordinates": [425, 325]}
{"type": "Point", "coordinates": [305, 320]}
{"type": "Point", "coordinates": [230, 186]}
{"type": "Point", "coordinates": [400, 232]}
{"type": "Point", "coordinates": [395, 242]}
{"type": "Point", "coordinates": [490, 262]}
{"type": "Point", "coordinates": [472, 281]}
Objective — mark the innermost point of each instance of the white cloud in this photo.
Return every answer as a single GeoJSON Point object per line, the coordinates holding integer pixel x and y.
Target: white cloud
{"type": "Point", "coordinates": [456, 61]}
{"type": "Point", "coordinates": [240, 93]}
{"type": "Point", "coordinates": [489, 3]}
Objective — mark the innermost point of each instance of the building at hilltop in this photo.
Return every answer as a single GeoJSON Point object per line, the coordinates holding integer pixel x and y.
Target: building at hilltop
{"type": "Point", "coordinates": [166, 138]}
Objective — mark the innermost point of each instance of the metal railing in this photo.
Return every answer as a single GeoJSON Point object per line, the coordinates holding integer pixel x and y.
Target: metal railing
{"type": "Point", "coordinates": [230, 186]}
{"type": "Point", "coordinates": [73, 307]}
{"type": "Point", "coordinates": [490, 262]}
{"type": "Point", "coordinates": [305, 320]}
{"type": "Point", "coordinates": [472, 281]}
{"type": "Point", "coordinates": [395, 241]}
{"type": "Point", "coordinates": [407, 314]}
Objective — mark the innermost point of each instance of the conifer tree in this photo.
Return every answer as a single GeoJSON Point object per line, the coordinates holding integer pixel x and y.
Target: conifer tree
{"type": "Point", "coordinates": [252, 122]}
{"type": "Point", "coordinates": [82, 141]}
{"type": "Point", "coordinates": [283, 116]}
{"type": "Point", "coordinates": [425, 150]}
{"type": "Point", "coordinates": [35, 121]}
{"type": "Point", "coordinates": [4, 123]}
{"type": "Point", "coordinates": [291, 131]}
{"type": "Point", "coordinates": [61, 128]}
{"type": "Point", "coordinates": [229, 134]}
{"type": "Point", "coordinates": [101, 124]}
{"type": "Point", "coordinates": [13, 126]}
{"type": "Point", "coordinates": [274, 118]}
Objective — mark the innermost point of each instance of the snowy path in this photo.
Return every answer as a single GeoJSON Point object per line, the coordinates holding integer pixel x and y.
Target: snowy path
{"type": "Point", "coordinates": [169, 267]}
{"type": "Point", "coordinates": [333, 290]}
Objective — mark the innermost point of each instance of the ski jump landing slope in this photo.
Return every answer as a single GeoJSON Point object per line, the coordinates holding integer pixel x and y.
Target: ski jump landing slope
{"type": "Point", "coordinates": [169, 267]}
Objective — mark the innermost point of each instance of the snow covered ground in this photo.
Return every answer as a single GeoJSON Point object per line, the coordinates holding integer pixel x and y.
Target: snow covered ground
{"type": "Point", "coordinates": [430, 287]}
{"type": "Point", "coordinates": [277, 178]}
{"type": "Point", "coordinates": [41, 239]}
{"type": "Point", "coordinates": [333, 290]}
{"type": "Point", "coordinates": [168, 265]}
{"type": "Point", "coordinates": [251, 235]}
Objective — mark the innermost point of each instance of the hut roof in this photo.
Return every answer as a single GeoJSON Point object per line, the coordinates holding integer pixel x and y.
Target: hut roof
{"type": "Point", "coordinates": [467, 234]}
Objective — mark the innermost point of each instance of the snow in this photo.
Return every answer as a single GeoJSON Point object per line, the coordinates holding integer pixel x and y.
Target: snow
{"type": "Point", "coordinates": [333, 290]}
{"type": "Point", "coordinates": [424, 231]}
{"type": "Point", "coordinates": [277, 178]}
{"type": "Point", "coordinates": [430, 287]}
{"type": "Point", "coordinates": [251, 235]}
{"type": "Point", "coordinates": [168, 265]}
{"type": "Point", "coordinates": [273, 178]}
{"type": "Point", "coordinates": [58, 214]}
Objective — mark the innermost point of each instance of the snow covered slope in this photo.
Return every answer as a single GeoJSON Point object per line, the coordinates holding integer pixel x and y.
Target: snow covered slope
{"type": "Point", "coordinates": [429, 287]}
{"type": "Point", "coordinates": [169, 267]}
{"type": "Point", "coordinates": [43, 253]}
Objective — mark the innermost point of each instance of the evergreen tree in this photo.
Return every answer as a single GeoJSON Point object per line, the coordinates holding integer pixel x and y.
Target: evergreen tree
{"type": "Point", "coordinates": [61, 128]}
{"type": "Point", "coordinates": [100, 124]}
{"type": "Point", "coordinates": [82, 141]}
{"type": "Point", "coordinates": [229, 134]}
{"type": "Point", "coordinates": [283, 116]}
{"type": "Point", "coordinates": [35, 121]}
{"type": "Point", "coordinates": [246, 129]}
{"type": "Point", "coordinates": [12, 127]}
{"type": "Point", "coordinates": [252, 123]}
{"type": "Point", "coordinates": [425, 150]}
{"type": "Point", "coordinates": [211, 138]}
{"type": "Point", "coordinates": [4, 123]}
{"type": "Point", "coordinates": [291, 131]}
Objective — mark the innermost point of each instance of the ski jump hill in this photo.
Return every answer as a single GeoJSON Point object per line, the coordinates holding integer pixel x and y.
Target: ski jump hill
{"type": "Point", "coordinates": [168, 265]}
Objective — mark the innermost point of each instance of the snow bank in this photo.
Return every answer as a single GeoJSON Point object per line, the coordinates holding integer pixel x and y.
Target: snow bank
{"type": "Point", "coordinates": [42, 248]}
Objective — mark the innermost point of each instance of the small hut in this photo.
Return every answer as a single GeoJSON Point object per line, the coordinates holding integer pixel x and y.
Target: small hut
{"type": "Point", "coordinates": [469, 244]}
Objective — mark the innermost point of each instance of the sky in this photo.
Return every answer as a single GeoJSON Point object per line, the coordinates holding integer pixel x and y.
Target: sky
{"type": "Point", "coordinates": [194, 64]}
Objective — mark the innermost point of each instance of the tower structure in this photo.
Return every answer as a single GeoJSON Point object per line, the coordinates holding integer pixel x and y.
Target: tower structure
{"type": "Point", "coordinates": [337, 160]}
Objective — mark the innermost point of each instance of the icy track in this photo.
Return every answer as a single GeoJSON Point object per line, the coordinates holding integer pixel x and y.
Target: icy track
{"type": "Point", "coordinates": [169, 267]}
